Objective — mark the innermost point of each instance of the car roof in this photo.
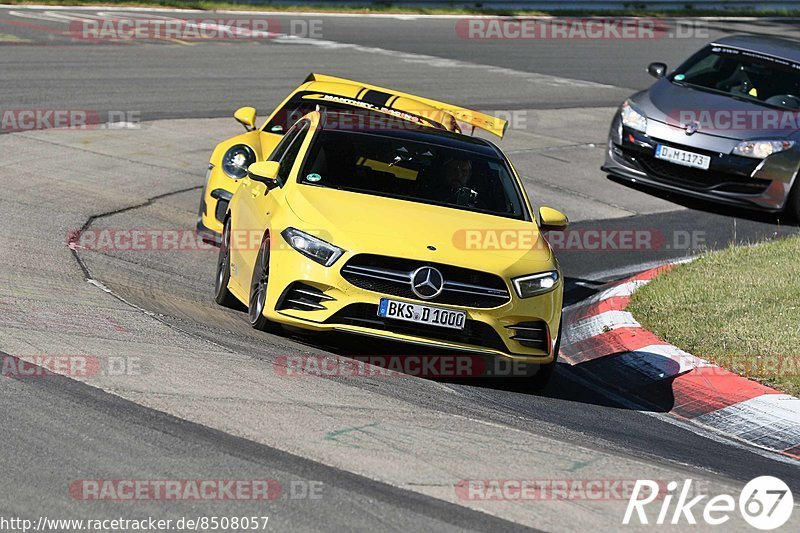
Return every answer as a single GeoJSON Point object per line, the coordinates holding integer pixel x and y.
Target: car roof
{"type": "Point", "coordinates": [772, 46]}
{"type": "Point", "coordinates": [402, 129]}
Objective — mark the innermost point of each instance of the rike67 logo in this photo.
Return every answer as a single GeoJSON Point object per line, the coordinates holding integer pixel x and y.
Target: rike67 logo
{"type": "Point", "coordinates": [765, 503]}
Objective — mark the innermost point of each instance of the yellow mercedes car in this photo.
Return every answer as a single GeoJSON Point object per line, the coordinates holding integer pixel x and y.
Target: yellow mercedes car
{"type": "Point", "coordinates": [361, 229]}
{"type": "Point", "coordinates": [230, 158]}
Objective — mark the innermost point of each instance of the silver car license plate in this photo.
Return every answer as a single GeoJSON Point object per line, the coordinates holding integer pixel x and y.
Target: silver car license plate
{"type": "Point", "coordinates": [682, 157]}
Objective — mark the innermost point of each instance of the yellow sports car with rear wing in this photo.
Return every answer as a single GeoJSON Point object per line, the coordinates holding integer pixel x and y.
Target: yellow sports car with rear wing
{"type": "Point", "coordinates": [230, 158]}
{"type": "Point", "coordinates": [362, 230]}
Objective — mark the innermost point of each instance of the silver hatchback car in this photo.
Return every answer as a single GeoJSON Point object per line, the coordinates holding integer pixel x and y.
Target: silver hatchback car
{"type": "Point", "coordinates": [722, 127]}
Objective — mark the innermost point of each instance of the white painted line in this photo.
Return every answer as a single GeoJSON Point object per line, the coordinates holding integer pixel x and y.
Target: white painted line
{"type": "Point", "coordinates": [598, 324]}
{"type": "Point", "coordinates": [406, 57]}
{"type": "Point", "coordinates": [621, 290]}
{"type": "Point", "coordinates": [771, 421]}
{"type": "Point", "coordinates": [707, 432]}
{"type": "Point", "coordinates": [661, 361]}
{"type": "Point", "coordinates": [440, 62]}
{"type": "Point", "coordinates": [399, 16]}
{"type": "Point", "coordinates": [624, 272]}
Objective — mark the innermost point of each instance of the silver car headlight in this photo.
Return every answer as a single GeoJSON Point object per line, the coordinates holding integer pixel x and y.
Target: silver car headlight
{"type": "Point", "coordinates": [535, 284]}
{"type": "Point", "coordinates": [236, 160]}
{"type": "Point", "coordinates": [320, 251]}
{"type": "Point", "coordinates": [632, 118]}
{"type": "Point", "coordinates": [761, 149]}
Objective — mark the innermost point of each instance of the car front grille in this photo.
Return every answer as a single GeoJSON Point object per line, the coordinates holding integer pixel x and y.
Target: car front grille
{"type": "Point", "coordinates": [392, 276]}
{"type": "Point", "coordinates": [725, 174]}
{"type": "Point", "coordinates": [695, 178]}
{"type": "Point", "coordinates": [475, 332]}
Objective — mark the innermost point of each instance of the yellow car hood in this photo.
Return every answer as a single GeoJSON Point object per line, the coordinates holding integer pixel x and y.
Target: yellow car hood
{"type": "Point", "coordinates": [364, 223]}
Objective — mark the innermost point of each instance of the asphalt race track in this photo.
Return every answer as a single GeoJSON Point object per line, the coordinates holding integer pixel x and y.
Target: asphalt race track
{"type": "Point", "coordinates": [207, 397]}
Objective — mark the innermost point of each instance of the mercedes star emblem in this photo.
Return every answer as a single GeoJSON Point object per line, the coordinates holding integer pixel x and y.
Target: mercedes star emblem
{"type": "Point", "coordinates": [427, 282]}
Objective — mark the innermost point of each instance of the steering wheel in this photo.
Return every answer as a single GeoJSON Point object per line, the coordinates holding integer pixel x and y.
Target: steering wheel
{"type": "Point", "coordinates": [739, 77]}
{"type": "Point", "coordinates": [465, 196]}
{"type": "Point", "coordinates": [784, 100]}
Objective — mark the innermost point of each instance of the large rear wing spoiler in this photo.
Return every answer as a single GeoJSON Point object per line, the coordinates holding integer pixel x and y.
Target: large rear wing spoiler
{"type": "Point", "coordinates": [476, 119]}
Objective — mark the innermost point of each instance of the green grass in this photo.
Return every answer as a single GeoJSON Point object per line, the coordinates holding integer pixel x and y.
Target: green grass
{"type": "Point", "coordinates": [388, 7]}
{"type": "Point", "coordinates": [739, 307]}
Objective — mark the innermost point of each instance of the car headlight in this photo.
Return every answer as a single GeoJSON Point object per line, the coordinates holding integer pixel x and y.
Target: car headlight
{"type": "Point", "coordinates": [761, 149]}
{"type": "Point", "coordinates": [320, 251]}
{"type": "Point", "coordinates": [527, 286]}
{"type": "Point", "coordinates": [633, 118]}
{"type": "Point", "coordinates": [237, 159]}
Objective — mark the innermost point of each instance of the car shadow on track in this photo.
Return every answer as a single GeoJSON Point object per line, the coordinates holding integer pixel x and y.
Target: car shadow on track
{"type": "Point", "coordinates": [595, 383]}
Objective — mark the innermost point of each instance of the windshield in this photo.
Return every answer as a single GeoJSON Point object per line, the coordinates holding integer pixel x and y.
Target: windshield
{"type": "Point", "coordinates": [389, 166]}
{"type": "Point", "coordinates": [742, 74]}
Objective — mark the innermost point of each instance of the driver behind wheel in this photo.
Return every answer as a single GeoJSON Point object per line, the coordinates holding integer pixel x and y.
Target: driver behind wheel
{"type": "Point", "coordinates": [457, 175]}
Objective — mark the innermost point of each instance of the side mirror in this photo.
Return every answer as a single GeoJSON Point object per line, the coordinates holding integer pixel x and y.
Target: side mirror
{"type": "Point", "coordinates": [246, 116]}
{"type": "Point", "coordinates": [265, 172]}
{"type": "Point", "coordinates": [657, 70]}
{"type": "Point", "coordinates": [552, 219]}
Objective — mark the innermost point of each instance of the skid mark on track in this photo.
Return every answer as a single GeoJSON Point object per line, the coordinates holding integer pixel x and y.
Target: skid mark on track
{"type": "Point", "coordinates": [334, 435]}
{"type": "Point", "coordinates": [88, 276]}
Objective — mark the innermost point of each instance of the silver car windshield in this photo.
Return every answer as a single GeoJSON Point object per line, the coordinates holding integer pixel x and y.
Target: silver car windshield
{"type": "Point", "coordinates": [743, 74]}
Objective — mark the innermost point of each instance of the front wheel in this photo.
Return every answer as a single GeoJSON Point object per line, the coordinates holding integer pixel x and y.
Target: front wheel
{"type": "Point", "coordinates": [793, 203]}
{"type": "Point", "coordinates": [222, 295]}
{"type": "Point", "coordinates": [258, 291]}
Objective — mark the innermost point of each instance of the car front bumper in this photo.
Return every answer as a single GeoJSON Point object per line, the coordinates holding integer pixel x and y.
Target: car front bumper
{"type": "Point", "coordinates": [762, 185]}
{"type": "Point", "coordinates": [351, 309]}
{"type": "Point", "coordinates": [216, 195]}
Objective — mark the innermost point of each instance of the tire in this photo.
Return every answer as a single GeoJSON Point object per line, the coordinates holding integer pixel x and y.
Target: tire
{"type": "Point", "coordinates": [793, 203]}
{"type": "Point", "coordinates": [539, 381]}
{"type": "Point", "coordinates": [258, 291]}
{"type": "Point", "coordinates": [222, 295]}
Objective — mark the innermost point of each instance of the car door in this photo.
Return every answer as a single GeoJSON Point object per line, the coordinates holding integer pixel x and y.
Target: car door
{"type": "Point", "coordinates": [253, 202]}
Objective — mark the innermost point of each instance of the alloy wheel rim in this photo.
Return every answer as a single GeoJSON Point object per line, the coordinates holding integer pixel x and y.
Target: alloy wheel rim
{"type": "Point", "coordinates": [222, 262]}
{"type": "Point", "coordinates": [260, 290]}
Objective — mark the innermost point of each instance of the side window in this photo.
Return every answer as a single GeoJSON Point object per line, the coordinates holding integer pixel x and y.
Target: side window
{"type": "Point", "coordinates": [295, 109]}
{"type": "Point", "coordinates": [283, 145]}
{"type": "Point", "coordinates": [290, 155]}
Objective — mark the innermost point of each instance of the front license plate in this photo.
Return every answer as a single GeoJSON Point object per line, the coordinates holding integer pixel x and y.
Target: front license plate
{"type": "Point", "coordinates": [682, 157]}
{"type": "Point", "coordinates": [422, 314]}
